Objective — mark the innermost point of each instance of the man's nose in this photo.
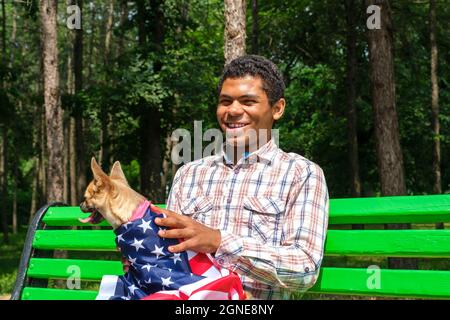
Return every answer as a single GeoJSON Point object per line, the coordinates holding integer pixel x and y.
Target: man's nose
{"type": "Point", "coordinates": [235, 109]}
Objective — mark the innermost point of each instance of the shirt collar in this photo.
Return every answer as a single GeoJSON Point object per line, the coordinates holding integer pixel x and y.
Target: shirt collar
{"type": "Point", "coordinates": [265, 153]}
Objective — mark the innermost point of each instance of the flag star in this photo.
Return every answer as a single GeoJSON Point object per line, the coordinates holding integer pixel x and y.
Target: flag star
{"type": "Point", "coordinates": [126, 225]}
{"type": "Point", "coordinates": [132, 260]}
{"type": "Point", "coordinates": [148, 266]}
{"type": "Point", "coordinates": [132, 288]}
{"type": "Point", "coordinates": [149, 280]}
{"type": "Point", "coordinates": [139, 283]}
{"type": "Point", "coordinates": [124, 298]}
{"type": "Point", "coordinates": [170, 270]}
{"type": "Point", "coordinates": [192, 274]}
{"type": "Point", "coordinates": [158, 251]}
{"type": "Point", "coordinates": [166, 281]}
{"type": "Point", "coordinates": [120, 237]}
{"type": "Point", "coordinates": [145, 225]}
{"type": "Point", "coordinates": [176, 257]}
{"type": "Point", "coordinates": [138, 244]}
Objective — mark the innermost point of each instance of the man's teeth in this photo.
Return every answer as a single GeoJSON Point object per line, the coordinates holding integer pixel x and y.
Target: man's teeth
{"type": "Point", "coordinates": [236, 125]}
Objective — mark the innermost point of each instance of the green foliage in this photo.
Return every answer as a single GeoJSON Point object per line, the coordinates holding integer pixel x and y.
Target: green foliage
{"type": "Point", "coordinates": [306, 38]}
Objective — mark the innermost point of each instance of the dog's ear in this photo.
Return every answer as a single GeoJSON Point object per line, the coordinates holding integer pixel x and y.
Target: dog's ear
{"type": "Point", "coordinates": [99, 175]}
{"type": "Point", "coordinates": [117, 172]}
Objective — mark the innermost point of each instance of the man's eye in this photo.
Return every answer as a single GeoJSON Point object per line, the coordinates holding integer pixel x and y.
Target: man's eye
{"type": "Point", "coordinates": [249, 102]}
{"type": "Point", "coordinates": [225, 102]}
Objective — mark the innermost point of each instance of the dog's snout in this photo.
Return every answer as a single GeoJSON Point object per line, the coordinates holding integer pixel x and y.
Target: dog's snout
{"type": "Point", "coordinates": [83, 207]}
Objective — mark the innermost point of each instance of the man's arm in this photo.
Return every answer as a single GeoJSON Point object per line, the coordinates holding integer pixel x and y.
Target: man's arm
{"type": "Point", "coordinates": [293, 265]}
{"type": "Point", "coordinates": [197, 237]}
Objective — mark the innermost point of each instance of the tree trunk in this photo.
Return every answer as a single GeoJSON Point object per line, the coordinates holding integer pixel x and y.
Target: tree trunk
{"type": "Point", "coordinates": [166, 166]}
{"type": "Point", "coordinates": [79, 127]}
{"type": "Point", "coordinates": [91, 43]}
{"type": "Point", "coordinates": [142, 38]}
{"type": "Point", "coordinates": [150, 119]}
{"type": "Point", "coordinates": [105, 112]}
{"type": "Point", "coordinates": [13, 34]}
{"type": "Point", "coordinates": [53, 110]}
{"type": "Point", "coordinates": [72, 142]}
{"type": "Point", "coordinates": [4, 143]}
{"type": "Point", "coordinates": [355, 183]}
{"type": "Point", "coordinates": [4, 182]}
{"type": "Point", "coordinates": [387, 136]}
{"type": "Point", "coordinates": [123, 19]}
{"type": "Point", "coordinates": [235, 29]}
{"type": "Point", "coordinates": [34, 189]}
{"type": "Point", "coordinates": [14, 209]}
{"type": "Point", "coordinates": [352, 124]}
{"type": "Point", "coordinates": [108, 33]}
{"type": "Point", "coordinates": [43, 162]}
{"type": "Point", "coordinates": [437, 184]}
{"type": "Point", "coordinates": [72, 163]}
{"type": "Point", "coordinates": [66, 178]}
{"type": "Point", "coordinates": [36, 166]}
{"type": "Point", "coordinates": [15, 175]}
{"type": "Point", "coordinates": [4, 31]}
{"type": "Point", "coordinates": [255, 27]}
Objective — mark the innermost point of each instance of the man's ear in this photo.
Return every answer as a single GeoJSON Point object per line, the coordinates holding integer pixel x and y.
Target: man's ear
{"type": "Point", "coordinates": [99, 175]}
{"type": "Point", "coordinates": [117, 172]}
{"type": "Point", "coordinates": [278, 109]}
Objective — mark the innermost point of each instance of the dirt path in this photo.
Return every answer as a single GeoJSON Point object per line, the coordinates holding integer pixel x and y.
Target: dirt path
{"type": "Point", "coordinates": [5, 297]}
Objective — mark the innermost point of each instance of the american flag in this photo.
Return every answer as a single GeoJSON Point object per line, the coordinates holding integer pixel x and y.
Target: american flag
{"type": "Point", "coordinates": [156, 273]}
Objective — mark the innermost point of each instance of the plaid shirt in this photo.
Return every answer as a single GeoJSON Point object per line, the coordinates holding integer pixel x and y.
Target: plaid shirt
{"type": "Point", "coordinates": [272, 211]}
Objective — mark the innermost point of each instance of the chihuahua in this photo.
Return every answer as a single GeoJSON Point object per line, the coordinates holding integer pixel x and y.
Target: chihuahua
{"type": "Point", "coordinates": [131, 215]}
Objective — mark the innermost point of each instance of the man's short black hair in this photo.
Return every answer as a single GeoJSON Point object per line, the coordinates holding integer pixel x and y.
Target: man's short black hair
{"type": "Point", "coordinates": [256, 66]}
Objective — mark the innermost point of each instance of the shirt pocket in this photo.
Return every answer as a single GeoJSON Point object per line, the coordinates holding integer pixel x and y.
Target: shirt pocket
{"type": "Point", "coordinates": [198, 208]}
{"type": "Point", "coordinates": [265, 216]}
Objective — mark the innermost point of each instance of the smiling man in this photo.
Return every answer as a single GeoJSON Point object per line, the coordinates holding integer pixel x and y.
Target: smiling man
{"type": "Point", "coordinates": [260, 211]}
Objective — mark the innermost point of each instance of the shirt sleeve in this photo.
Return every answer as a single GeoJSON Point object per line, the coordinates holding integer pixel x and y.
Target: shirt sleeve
{"type": "Point", "coordinates": [294, 263]}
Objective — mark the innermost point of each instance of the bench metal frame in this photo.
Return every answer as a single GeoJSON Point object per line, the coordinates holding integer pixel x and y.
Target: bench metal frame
{"type": "Point", "coordinates": [29, 251]}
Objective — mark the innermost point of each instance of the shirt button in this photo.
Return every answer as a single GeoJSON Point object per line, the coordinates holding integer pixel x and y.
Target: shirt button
{"type": "Point", "coordinates": [306, 270]}
{"type": "Point", "coordinates": [229, 200]}
{"type": "Point", "coordinates": [236, 171]}
{"type": "Point", "coordinates": [221, 261]}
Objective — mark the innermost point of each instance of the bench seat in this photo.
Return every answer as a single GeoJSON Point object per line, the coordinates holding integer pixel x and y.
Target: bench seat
{"type": "Point", "coordinates": [52, 229]}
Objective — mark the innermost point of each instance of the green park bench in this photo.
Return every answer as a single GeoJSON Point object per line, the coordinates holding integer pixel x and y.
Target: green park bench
{"type": "Point", "coordinates": [52, 229]}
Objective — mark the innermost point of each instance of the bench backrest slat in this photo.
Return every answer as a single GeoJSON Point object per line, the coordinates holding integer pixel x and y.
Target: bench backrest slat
{"type": "Point", "coordinates": [407, 209]}
{"type": "Point", "coordinates": [400, 209]}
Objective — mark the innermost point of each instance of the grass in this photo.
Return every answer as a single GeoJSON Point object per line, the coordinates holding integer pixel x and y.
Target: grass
{"type": "Point", "coordinates": [9, 260]}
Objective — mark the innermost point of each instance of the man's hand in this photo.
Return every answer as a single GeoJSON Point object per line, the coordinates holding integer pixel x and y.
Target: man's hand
{"type": "Point", "coordinates": [196, 236]}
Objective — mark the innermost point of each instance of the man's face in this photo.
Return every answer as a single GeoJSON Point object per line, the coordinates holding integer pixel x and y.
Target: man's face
{"type": "Point", "coordinates": [244, 107]}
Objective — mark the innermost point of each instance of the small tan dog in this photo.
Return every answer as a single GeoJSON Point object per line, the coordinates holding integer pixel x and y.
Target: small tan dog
{"type": "Point", "coordinates": [109, 197]}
